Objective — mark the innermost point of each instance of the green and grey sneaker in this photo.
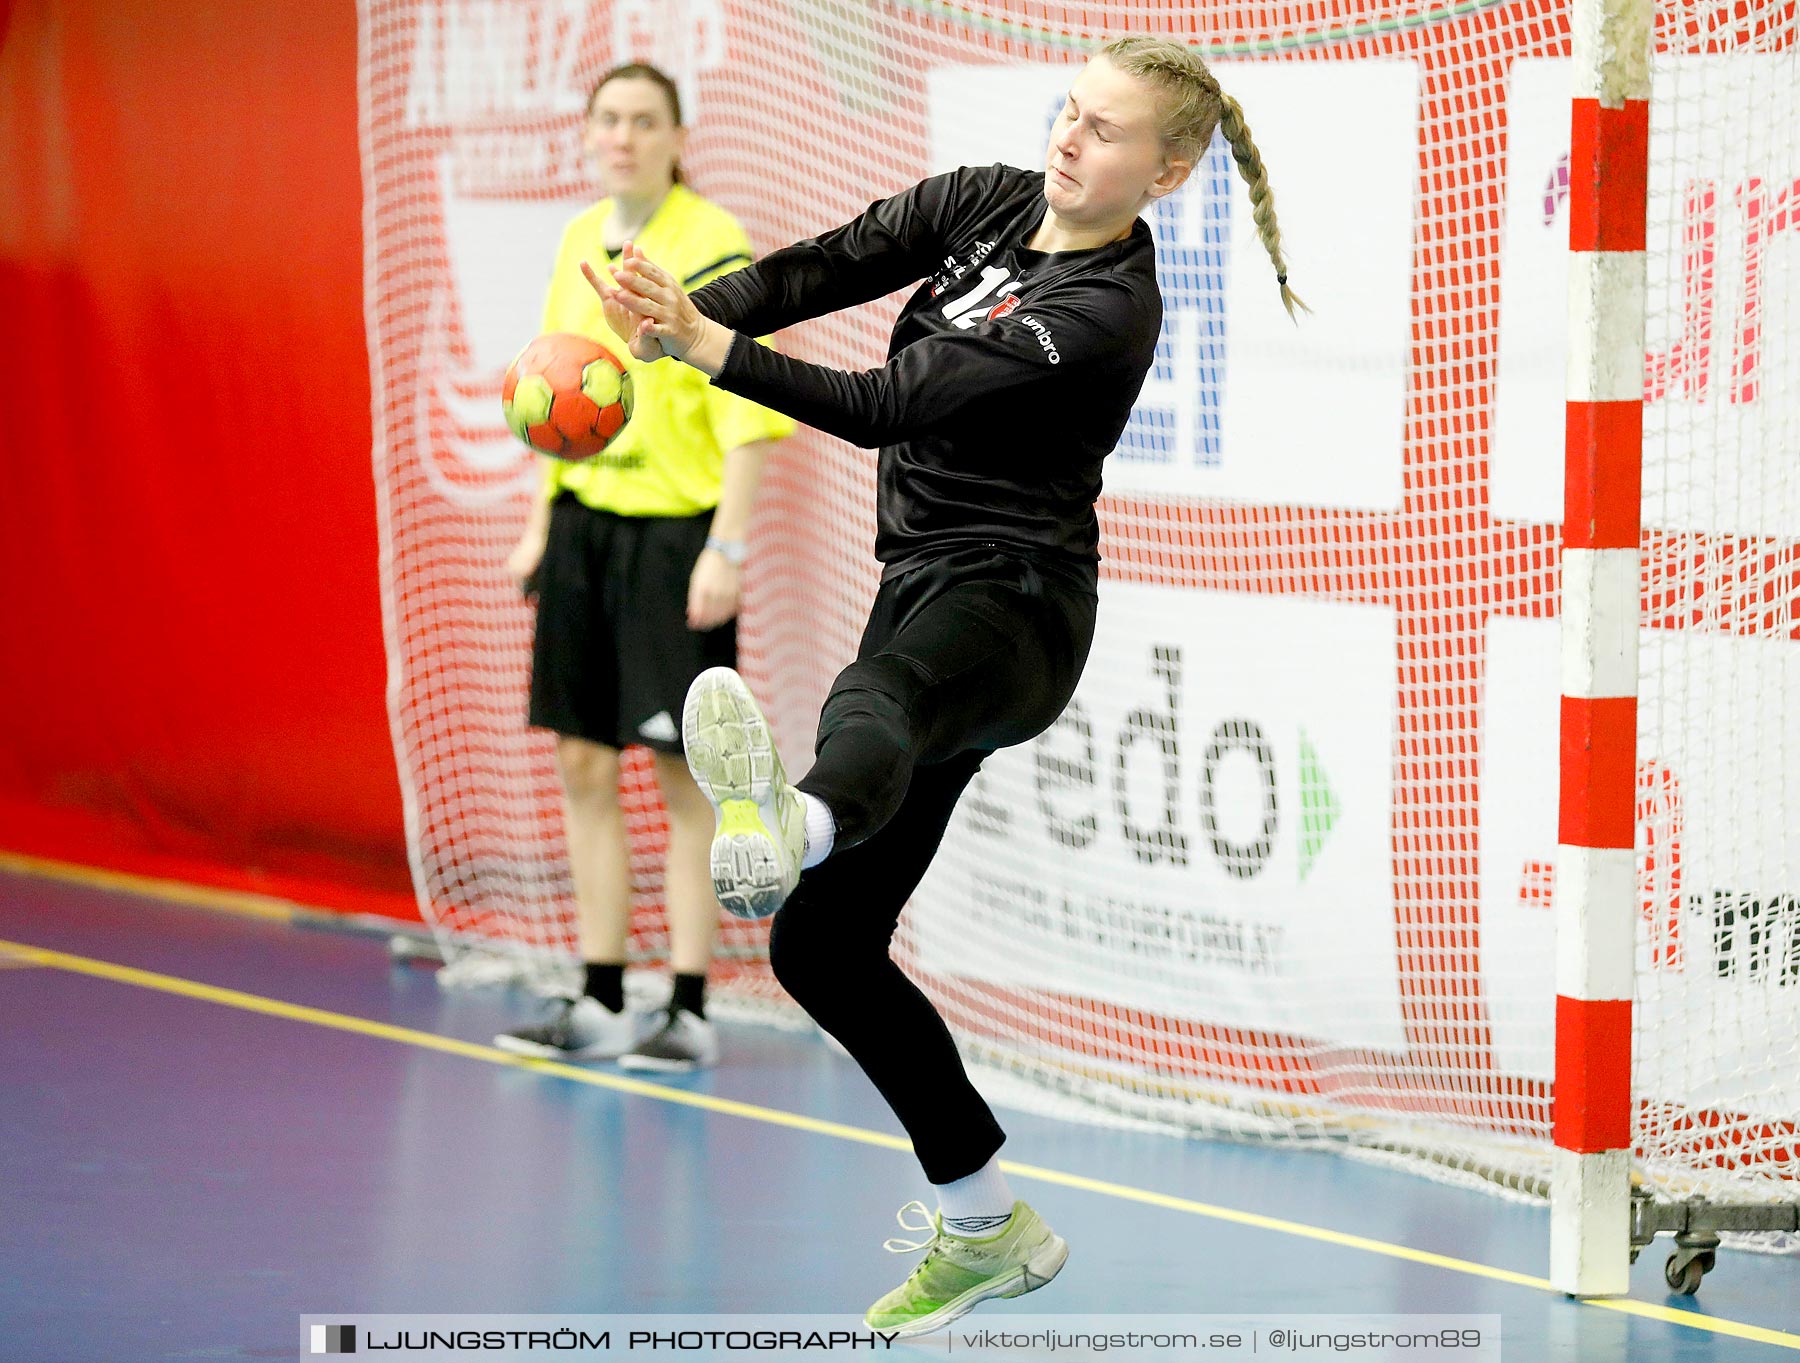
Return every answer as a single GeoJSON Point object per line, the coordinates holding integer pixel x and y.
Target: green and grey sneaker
{"type": "Point", "coordinates": [761, 834]}
{"type": "Point", "coordinates": [956, 1274]}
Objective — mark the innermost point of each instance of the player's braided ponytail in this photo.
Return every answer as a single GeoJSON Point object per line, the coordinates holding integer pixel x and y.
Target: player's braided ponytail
{"type": "Point", "coordinates": [1192, 107]}
{"type": "Point", "coordinates": [1262, 198]}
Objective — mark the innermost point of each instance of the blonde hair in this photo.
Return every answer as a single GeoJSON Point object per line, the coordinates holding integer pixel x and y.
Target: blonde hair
{"type": "Point", "coordinates": [1192, 106]}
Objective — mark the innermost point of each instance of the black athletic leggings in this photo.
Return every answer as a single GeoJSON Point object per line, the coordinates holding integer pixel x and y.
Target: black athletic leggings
{"type": "Point", "coordinates": [972, 653]}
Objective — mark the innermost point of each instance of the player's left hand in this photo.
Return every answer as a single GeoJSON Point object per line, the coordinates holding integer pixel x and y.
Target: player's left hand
{"type": "Point", "coordinates": [713, 591]}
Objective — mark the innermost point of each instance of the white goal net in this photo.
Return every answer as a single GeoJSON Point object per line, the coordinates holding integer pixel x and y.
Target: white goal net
{"type": "Point", "coordinates": [1285, 867]}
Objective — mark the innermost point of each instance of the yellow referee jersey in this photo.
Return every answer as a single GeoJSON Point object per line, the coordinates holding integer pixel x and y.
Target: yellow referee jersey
{"type": "Point", "coordinates": [671, 456]}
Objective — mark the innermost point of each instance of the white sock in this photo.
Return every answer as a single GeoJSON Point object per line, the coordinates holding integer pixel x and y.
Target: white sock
{"type": "Point", "coordinates": [821, 831]}
{"type": "Point", "coordinates": [978, 1205]}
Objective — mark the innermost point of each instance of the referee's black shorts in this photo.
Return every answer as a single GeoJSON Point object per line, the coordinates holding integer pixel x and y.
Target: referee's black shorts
{"type": "Point", "coordinates": [613, 656]}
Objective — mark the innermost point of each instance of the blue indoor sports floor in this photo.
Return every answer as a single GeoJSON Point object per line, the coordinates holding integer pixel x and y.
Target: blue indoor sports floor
{"type": "Point", "coordinates": [213, 1123]}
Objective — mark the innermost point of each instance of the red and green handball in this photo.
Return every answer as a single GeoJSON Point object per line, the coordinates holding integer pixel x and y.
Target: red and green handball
{"type": "Point", "coordinates": [566, 396]}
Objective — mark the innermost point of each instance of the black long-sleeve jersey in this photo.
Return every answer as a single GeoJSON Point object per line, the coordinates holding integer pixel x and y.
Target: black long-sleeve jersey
{"type": "Point", "coordinates": [1010, 375]}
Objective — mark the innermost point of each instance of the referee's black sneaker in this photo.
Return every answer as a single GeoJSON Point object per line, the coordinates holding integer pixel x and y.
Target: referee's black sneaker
{"type": "Point", "coordinates": [579, 1029]}
{"type": "Point", "coordinates": [685, 1041]}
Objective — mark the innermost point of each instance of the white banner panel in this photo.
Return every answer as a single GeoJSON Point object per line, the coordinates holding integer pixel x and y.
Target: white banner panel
{"type": "Point", "coordinates": [1242, 403]}
{"type": "Point", "coordinates": [1718, 950]}
{"type": "Point", "coordinates": [1518, 842]}
{"type": "Point", "coordinates": [1722, 370]}
{"type": "Point", "coordinates": [1205, 833]}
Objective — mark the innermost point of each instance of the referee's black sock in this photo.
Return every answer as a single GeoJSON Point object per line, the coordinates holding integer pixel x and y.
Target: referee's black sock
{"type": "Point", "coordinates": [606, 983]}
{"type": "Point", "coordinates": [690, 993]}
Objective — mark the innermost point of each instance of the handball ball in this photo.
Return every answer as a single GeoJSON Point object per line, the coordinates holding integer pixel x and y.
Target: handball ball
{"type": "Point", "coordinates": [566, 396]}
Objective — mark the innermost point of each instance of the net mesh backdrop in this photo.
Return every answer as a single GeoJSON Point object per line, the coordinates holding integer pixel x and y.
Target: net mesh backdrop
{"type": "Point", "coordinates": [1285, 867]}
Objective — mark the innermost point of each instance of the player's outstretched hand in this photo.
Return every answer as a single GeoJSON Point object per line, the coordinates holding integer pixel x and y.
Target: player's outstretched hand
{"type": "Point", "coordinates": [648, 304]}
{"type": "Point", "coordinates": [627, 325]}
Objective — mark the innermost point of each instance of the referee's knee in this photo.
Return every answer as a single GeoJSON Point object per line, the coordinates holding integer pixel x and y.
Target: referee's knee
{"type": "Point", "coordinates": [589, 770]}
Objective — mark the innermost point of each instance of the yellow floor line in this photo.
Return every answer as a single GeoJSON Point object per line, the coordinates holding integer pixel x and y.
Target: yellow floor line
{"type": "Point", "coordinates": [342, 1022]}
{"type": "Point", "coordinates": [171, 891]}
{"type": "Point", "coordinates": [13, 961]}
{"type": "Point", "coordinates": [469, 1050]}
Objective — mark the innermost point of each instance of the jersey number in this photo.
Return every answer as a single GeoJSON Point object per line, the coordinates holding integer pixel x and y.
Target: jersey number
{"type": "Point", "coordinates": [968, 310]}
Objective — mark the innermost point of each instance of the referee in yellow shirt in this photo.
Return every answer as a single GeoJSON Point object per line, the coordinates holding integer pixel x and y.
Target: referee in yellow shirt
{"type": "Point", "coordinates": [635, 555]}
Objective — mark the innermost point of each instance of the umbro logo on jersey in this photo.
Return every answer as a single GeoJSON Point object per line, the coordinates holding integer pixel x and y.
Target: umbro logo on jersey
{"type": "Point", "coordinates": [1044, 338]}
{"type": "Point", "coordinates": [659, 728]}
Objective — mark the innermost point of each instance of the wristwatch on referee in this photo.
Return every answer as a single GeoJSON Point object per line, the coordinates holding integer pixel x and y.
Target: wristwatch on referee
{"type": "Point", "coordinates": [733, 552]}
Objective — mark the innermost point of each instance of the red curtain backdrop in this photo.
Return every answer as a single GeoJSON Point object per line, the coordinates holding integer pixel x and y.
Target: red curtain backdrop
{"type": "Point", "coordinates": [191, 666]}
